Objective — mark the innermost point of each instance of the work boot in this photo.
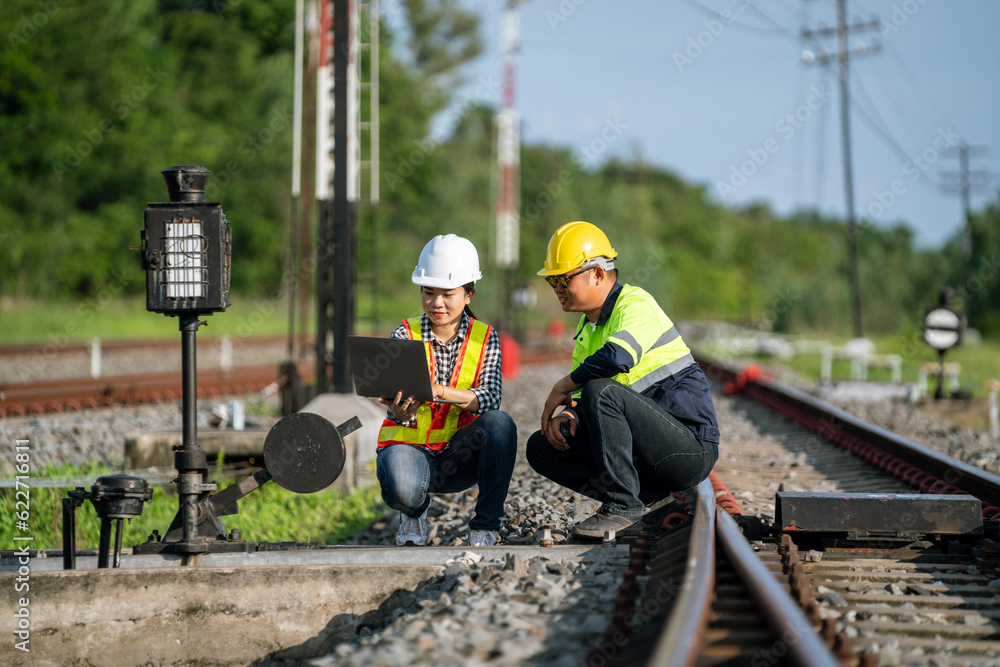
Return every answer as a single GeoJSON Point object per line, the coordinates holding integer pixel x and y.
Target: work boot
{"type": "Point", "coordinates": [412, 529]}
{"type": "Point", "coordinates": [596, 525]}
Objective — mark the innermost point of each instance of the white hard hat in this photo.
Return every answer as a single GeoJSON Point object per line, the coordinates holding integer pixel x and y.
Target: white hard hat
{"type": "Point", "coordinates": [448, 262]}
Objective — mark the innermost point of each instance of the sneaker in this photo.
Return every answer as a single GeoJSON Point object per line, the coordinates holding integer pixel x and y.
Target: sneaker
{"type": "Point", "coordinates": [483, 538]}
{"type": "Point", "coordinates": [596, 525]}
{"type": "Point", "coordinates": [412, 530]}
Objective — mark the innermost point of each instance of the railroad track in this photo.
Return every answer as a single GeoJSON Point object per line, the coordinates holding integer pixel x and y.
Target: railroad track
{"type": "Point", "coordinates": [867, 574]}
{"type": "Point", "coordinates": [710, 585]}
{"type": "Point", "coordinates": [88, 393]}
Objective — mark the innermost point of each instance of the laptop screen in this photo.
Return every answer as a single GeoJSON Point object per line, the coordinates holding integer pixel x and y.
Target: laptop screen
{"type": "Point", "coordinates": [384, 366]}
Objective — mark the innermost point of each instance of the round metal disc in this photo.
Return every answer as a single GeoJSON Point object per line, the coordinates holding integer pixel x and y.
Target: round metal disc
{"type": "Point", "coordinates": [942, 328]}
{"type": "Point", "coordinates": [304, 453]}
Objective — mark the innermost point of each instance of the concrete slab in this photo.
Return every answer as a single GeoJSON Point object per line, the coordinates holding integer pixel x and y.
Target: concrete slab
{"type": "Point", "coordinates": [51, 560]}
{"type": "Point", "coordinates": [194, 615]}
{"type": "Point", "coordinates": [155, 449]}
{"type": "Point", "coordinates": [228, 609]}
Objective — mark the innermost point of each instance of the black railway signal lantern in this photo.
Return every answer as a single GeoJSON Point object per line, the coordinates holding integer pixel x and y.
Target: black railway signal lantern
{"type": "Point", "coordinates": [186, 248]}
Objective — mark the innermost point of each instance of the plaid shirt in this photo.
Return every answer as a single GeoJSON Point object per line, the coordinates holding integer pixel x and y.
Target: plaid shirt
{"type": "Point", "coordinates": [490, 389]}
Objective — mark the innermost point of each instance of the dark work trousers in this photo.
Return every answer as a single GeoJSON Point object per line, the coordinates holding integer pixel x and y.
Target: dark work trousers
{"type": "Point", "coordinates": [482, 453]}
{"type": "Point", "coordinates": [628, 452]}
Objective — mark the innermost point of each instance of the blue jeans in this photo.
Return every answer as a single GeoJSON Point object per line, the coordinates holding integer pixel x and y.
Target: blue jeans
{"type": "Point", "coordinates": [482, 453]}
{"type": "Point", "coordinates": [627, 452]}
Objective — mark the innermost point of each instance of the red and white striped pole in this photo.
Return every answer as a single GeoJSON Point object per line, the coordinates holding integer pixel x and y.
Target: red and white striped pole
{"type": "Point", "coordinates": [508, 146]}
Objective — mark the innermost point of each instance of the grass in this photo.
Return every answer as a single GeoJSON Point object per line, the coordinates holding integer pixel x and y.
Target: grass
{"type": "Point", "coordinates": [269, 514]}
{"type": "Point", "coordinates": [978, 362]}
{"type": "Point", "coordinates": [126, 318]}
{"type": "Point", "coordinates": [61, 322]}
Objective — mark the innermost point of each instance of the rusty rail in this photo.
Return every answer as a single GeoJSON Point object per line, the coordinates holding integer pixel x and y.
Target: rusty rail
{"type": "Point", "coordinates": [18, 399]}
{"type": "Point", "coordinates": [920, 466]}
{"type": "Point", "coordinates": [786, 618]}
{"type": "Point", "coordinates": [681, 640]}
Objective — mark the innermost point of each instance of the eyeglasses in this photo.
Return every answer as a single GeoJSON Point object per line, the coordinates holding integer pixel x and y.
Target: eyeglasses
{"type": "Point", "coordinates": [563, 280]}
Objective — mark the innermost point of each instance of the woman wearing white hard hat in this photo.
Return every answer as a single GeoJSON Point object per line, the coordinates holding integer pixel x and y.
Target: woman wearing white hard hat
{"type": "Point", "coordinates": [438, 447]}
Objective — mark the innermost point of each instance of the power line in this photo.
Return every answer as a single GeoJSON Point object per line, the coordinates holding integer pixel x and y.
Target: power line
{"type": "Point", "coordinates": [963, 182]}
{"type": "Point", "coordinates": [909, 73]}
{"type": "Point", "coordinates": [877, 123]}
{"type": "Point", "coordinates": [821, 153]}
{"type": "Point", "coordinates": [718, 15]}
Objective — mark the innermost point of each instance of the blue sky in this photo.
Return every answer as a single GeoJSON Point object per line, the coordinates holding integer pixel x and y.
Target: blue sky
{"type": "Point", "coordinates": [717, 91]}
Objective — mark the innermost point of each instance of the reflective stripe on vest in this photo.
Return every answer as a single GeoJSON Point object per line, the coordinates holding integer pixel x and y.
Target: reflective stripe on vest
{"type": "Point", "coordinates": [438, 422]}
{"type": "Point", "coordinates": [664, 353]}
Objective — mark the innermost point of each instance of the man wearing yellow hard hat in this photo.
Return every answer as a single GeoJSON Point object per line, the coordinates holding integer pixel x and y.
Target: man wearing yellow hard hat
{"type": "Point", "coordinates": [637, 419]}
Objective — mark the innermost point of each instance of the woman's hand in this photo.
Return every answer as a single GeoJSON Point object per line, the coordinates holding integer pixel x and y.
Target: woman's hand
{"type": "Point", "coordinates": [402, 410]}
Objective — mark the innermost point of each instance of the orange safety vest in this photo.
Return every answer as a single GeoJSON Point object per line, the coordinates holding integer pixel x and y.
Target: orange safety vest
{"type": "Point", "coordinates": [438, 422]}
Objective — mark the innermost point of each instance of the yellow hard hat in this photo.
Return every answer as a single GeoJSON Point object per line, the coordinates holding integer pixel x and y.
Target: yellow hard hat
{"type": "Point", "coordinates": [572, 245]}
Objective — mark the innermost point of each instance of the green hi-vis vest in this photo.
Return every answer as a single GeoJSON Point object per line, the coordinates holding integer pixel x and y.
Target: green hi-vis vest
{"type": "Point", "coordinates": [438, 422]}
{"type": "Point", "coordinates": [641, 328]}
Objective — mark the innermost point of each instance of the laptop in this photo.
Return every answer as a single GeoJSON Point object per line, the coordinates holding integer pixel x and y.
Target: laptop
{"type": "Point", "coordinates": [383, 366]}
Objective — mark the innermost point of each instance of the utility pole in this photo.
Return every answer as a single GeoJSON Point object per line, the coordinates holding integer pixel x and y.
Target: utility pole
{"type": "Point", "coordinates": [842, 55]}
{"type": "Point", "coordinates": [964, 182]}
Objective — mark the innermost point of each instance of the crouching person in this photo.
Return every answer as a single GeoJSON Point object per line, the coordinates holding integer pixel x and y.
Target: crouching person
{"type": "Point", "coordinates": [638, 420]}
{"type": "Point", "coordinates": [446, 447]}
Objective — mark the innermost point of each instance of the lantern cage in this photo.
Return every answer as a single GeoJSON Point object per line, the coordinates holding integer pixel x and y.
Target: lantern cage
{"type": "Point", "coordinates": [186, 248]}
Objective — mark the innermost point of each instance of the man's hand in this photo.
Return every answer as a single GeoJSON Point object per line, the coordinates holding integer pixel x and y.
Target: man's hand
{"type": "Point", "coordinates": [561, 394]}
{"type": "Point", "coordinates": [402, 410]}
{"type": "Point", "coordinates": [554, 434]}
